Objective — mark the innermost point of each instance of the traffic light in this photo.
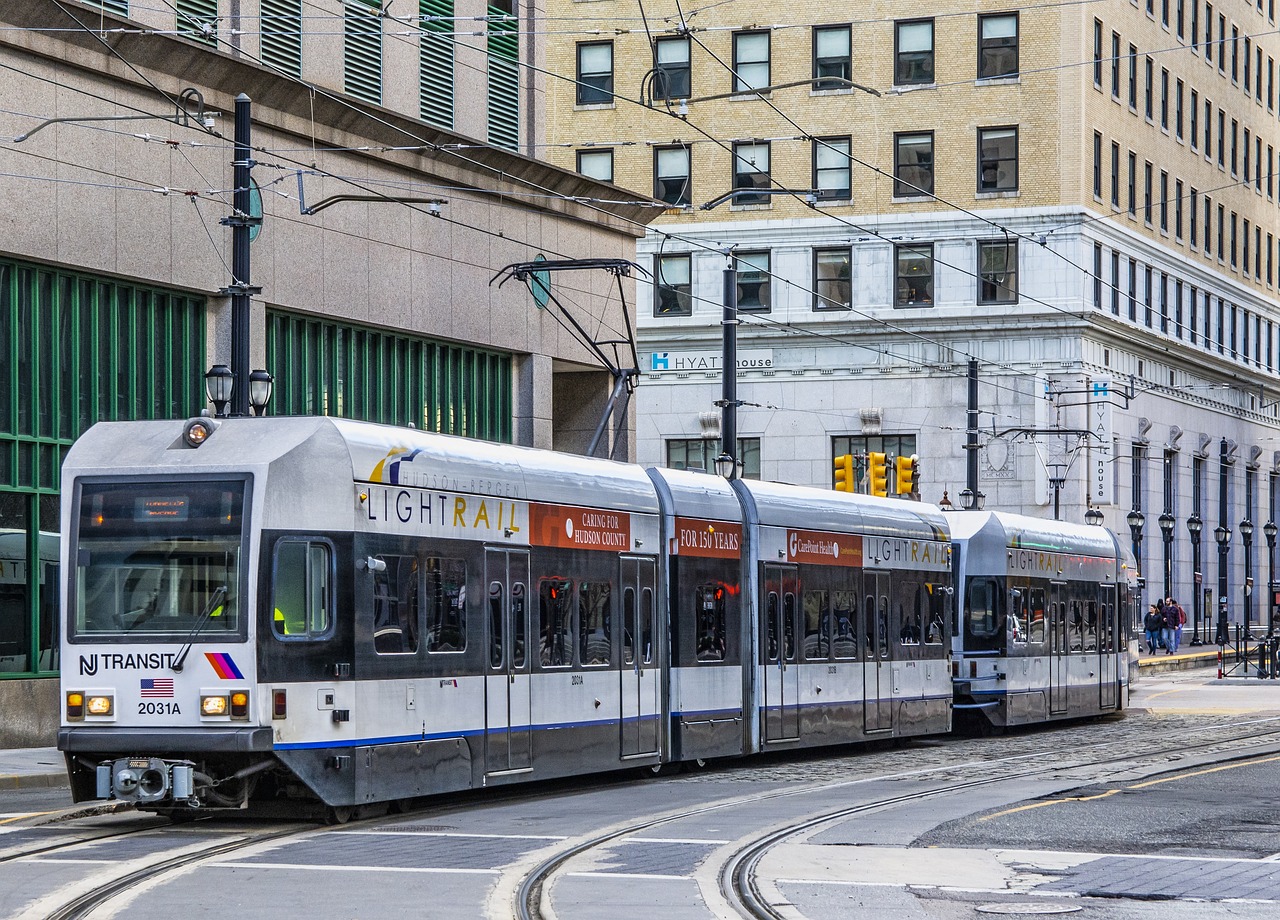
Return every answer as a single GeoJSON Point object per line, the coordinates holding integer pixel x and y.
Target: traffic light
{"type": "Point", "coordinates": [905, 469]}
{"type": "Point", "coordinates": [844, 473]}
{"type": "Point", "coordinates": [877, 474]}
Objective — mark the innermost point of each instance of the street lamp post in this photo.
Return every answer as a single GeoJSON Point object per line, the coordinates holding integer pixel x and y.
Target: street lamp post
{"type": "Point", "coordinates": [1246, 592]}
{"type": "Point", "coordinates": [1269, 531]}
{"type": "Point", "coordinates": [1223, 536]}
{"type": "Point", "coordinates": [1166, 522]}
{"type": "Point", "coordinates": [1135, 519]}
{"type": "Point", "coordinates": [1194, 526]}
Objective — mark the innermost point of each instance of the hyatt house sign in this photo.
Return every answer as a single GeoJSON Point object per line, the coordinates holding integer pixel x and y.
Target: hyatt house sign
{"type": "Point", "coordinates": [675, 362]}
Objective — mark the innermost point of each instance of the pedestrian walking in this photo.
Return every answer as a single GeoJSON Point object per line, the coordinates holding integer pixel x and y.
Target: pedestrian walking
{"type": "Point", "coordinates": [1182, 621]}
{"type": "Point", "coordinates": [1169, 612]}
{"type": "Point", "coordinates": [1152, 623]}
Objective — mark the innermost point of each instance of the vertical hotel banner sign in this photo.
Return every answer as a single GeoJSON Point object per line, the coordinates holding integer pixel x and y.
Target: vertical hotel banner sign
{"type": "Point", "coordinates": [1102, 482]}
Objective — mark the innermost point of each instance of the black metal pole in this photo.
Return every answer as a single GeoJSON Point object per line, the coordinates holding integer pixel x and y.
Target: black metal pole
{"type": "Point", "coordinates": [1222, 544]}
{"type": "Point", "coordinates": [240, 289]}
{"type": "Point", "coordinates": [729, 366]}
{"type": "Point", "coordinates": [1195, 589]}
{"type": "Point", "coordinates": [971, 445]}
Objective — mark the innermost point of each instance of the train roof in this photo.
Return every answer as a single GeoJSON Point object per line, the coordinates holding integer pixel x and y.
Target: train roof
{"type": "Point", "coordinates": [317, 454]}
{"type": "Point", "coordinates": [1023, 531]}
{"type": "Point", "coordinates": [698, 495]}
{"type": "Point", "coordinates": [782, 505]}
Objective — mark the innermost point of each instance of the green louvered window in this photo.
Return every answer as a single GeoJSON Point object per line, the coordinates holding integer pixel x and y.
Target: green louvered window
{"type": "Point", "coordinates": [75, 349]}
{"type": "Point", "coordinates": [504, 77]}
{"type": "Point", "coordinates": [198, 20]}
{"type": "Point", "coordinates": [282, 35]}
{"type": "Point", "coordinates": [120, 7]}
{"type": "Point", "coordinates": [327, 368]}
{"type": "Point", "coordinates": [362, 50]}
{"type": "Point", "coordinates": [435, 62]}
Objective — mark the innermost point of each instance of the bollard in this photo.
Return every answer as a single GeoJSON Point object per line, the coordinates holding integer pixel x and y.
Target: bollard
{"type": "Point", "coordinates": [1219, 662]}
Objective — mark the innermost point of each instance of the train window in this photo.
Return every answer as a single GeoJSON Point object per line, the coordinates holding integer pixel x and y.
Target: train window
{"type": "Point", "coordinates": [709, 601]}
{"type": "Point", "coordinates": [395, 606]}
{"type": "Point", "coordinates": [983, 617]}
{"type": "Point", "coordinates": [646, 626]}
{"type": "Point", "coordinates": [771, 626]}
{"type": "Point", "coordinates": [911, 632]}
{"type": "Point", "coordinates": [882, 624]}
{"type": "Point", "coordinates": [497, 625]}
{"type": "Point", "coordinates": [844, 611]}
{"type": "Point", "coordinates": [935, 613]}
{"type": "Point", "coordinates": [446, 603]}
{"type": "Point", "coordinates": [789, 625]}
{"type": "Point", "coordinates": [1016, 623]}
{"type": "Point", "coordinates": [870, 632]}
{"type": "Point", "coordinates": [1075, 628]}
{"type": "Point", "coordinates": [595, 623]}
{"type": "Point", "coordinates": [302, 591]}
{"type": "Point", "coordinates": [629, 625]}
{"type": "Point", "coordinates": [517, 624]}
{"type": "Point", "coordinates": [1035, 616]}
{"type": "Point", "coordinates": [817, 626]}
{"type": "Point", "coordinates": [1091, 626]}
{"type": "Point", "coordinates": [555, 623]}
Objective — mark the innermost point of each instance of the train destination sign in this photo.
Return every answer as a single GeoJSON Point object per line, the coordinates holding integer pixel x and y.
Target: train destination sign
{"type": "Point", "coordinates": [708, 539]}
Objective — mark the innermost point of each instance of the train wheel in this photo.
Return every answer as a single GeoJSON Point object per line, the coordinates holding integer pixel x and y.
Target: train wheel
{"type": "Point", "coordinates": [338, 814]}
{"type": "Point", "coordinates": [692, 766]}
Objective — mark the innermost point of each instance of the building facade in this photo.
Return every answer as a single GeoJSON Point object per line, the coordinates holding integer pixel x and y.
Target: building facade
{"type": "Point", "coordinates": [391, 200]}
{"type": "Point", "coordinates": [1081, 198]}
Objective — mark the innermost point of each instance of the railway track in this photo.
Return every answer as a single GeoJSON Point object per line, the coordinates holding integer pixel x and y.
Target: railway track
{"type": "Point", "coordinates": [738, 886]}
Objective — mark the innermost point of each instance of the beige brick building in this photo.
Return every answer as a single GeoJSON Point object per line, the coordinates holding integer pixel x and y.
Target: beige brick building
{"type": "Point", "coordinates": [1081, 197]}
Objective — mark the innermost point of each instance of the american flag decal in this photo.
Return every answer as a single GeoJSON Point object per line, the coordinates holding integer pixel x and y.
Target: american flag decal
{"type": "Point", "coordinates": [157, 688]}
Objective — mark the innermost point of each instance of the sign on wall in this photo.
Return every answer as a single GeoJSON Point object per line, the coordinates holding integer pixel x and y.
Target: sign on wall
{"type": "Point", "coordinates": [1102, 482]}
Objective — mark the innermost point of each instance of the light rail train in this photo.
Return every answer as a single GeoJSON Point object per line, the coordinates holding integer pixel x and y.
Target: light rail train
{"type": "Point", "coordinates": [320, 610]}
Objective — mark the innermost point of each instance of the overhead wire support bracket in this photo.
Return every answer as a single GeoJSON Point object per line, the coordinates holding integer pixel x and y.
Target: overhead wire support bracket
{"type": "Point", "coordinates": [183, 116]}
{"type": "Point", "coordinates": [433, 204]}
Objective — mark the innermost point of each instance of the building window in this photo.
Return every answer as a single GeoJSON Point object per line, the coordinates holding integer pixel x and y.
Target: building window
{"type": "Point", "coordinates": [1193, 205]}
{"type": "Point", "coordinates": [1133, 181]}
{"type": "Point", "coordinates": [832, 168]}
{"type": "Point", "coordinates": [671, 176]}
{"type": "Point", "coordinates": [1133, 77]}
{"type": "Point", "coordinates": [750, 171]}
{"type": "Point", "coordinates": [1147, 191]}
{"type": "Point", "coordinates": [1148, 91]}
{"type": "Point", "coordinates": [362, 51]}
{"type": "Point", "coordinates": [997, 45]}
{"type": "Point", "coordinates": [1097, 53]}
{"type": "Point", "coordinates": [436, 69]}
{"type": "Point", "coordinates": [1164, 201]}
{"type": "Point", "coordinates": [1097, 165]}
{"type": "Point", "coordinates": [1164, 99]}
{"type": "Point", "coordinates": [671, 76]}
{"type": "Point", "coordinates": [700, 454]}
{"type": "Point", "coordinates": [1179, 90]}
{"type": "Point", "coordinates": [753, 281]}
{"type": "Point", "coordinates": [914, 275]}
{"type": "Point", "coordinates": [673, 287]}
{"type": "Point", "coordinates": [1195, 121]}
{"type": "Point", "coordinates": [1115, 65]}
{"type": "Point", "coordinates": [1177, 209]}
{"type": "Point", "coordinates": [750, 61]}
{"type": "Point", "coordinates": [831, 57]}
{"type": "Point", "coordinates": [913, 165]}
{"type": "Point", "coordinates": [503, 74]}
{"type": "Point", "coordinates": [597, 164]}
{"type": "Point", "coordinates": [998, 271]}
{"type": "Point", "coordinates": [595, 73]}
{"type": "Point", "coordinates": [997, 159]}
{"type": "Point", "coordinates": [913, 52]}
{"type": "Point", "coordinates": [832, 279]}
{"type": "Point", "coordinates": [1115, 175]}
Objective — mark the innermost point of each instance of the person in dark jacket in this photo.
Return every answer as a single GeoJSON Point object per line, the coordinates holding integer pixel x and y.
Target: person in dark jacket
{"type": "Point", "coordinates": [1172, 621]}
{"type": "Point", "coordinates": [1152, 623]}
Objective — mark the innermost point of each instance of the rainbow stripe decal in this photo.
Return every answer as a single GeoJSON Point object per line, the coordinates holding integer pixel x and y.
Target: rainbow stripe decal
{"type": "Point", "coordinates": [223, 666]}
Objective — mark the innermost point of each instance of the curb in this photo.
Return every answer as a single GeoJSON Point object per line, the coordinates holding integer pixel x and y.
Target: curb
{"type": "Point", "coordinates": [13, 781]}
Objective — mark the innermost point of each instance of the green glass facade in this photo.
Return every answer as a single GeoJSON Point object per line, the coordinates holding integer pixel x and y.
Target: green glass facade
{"type": "Point", "coordinates": [74, 349]}
{"type": "Point", "coordinates": [326, 368]}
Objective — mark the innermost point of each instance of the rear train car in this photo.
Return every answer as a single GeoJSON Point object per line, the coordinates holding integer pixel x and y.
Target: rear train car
{"type": "Point", "coordinates": [1044, 615]}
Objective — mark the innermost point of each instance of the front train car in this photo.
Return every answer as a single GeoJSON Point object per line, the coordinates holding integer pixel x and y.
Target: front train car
{"type": "Point", "coordinates": [1044, 610]}
{"type": "Point", "coordinates": [313, 610]}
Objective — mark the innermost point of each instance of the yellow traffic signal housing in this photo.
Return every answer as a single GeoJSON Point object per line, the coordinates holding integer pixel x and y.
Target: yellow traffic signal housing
{"type": "Point", "coordinates": [877, 474]}
{"type": "Point", "coordinates": [906, 472]}
{"type": "Point", "coordinates": [844, 473]}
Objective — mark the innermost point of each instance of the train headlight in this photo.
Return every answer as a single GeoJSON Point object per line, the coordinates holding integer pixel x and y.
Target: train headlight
{"type": "Point", "coordinates": [101, 705]}
{"type": "Point", "coordinates": [198, 430]}
{"type": "Point", "coordinates": [240, 704]}
{"type": "Point", "coordinates": [213, 705]}
{"type": "Point", "coordinates": [75, 706]}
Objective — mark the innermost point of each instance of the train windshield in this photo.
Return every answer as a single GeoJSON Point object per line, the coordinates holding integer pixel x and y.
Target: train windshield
{"type": "Point", "coordinates": [151, 557]}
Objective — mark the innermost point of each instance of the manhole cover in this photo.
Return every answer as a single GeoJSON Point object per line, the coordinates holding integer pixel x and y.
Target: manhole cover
{"type": "Point", "coordinates": [1028, 907]}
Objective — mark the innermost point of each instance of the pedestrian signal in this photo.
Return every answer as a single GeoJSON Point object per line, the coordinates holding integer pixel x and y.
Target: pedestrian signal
{"type": "Point", "coordinates": [844, 473]}
{"type": "Point", "coordinates": [906, 474]}
{"type": "Point", "coordinates": [877, 474]}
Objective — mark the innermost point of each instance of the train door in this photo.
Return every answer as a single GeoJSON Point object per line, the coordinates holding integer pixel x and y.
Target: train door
{"type": "Point", "coordinates": [508, 739]}
{"type": "Point", "coordinates": [638, 671]}
{"type": "Point", "coordinates": [1058, 690]}
{"type": "Point", "coordinates": [781, 671]}
{"type": "Point", "coordinates": [877, 670]}
{"type": "Point", "coordinates": [1108, 660]}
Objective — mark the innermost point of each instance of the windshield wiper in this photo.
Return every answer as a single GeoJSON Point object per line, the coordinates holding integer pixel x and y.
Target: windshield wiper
{"type": "Point", "coordinates": [215, 601]}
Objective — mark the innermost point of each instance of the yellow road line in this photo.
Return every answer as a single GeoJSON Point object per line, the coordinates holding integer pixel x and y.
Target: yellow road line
{"type": "Point", "coordinates": [34, 814]}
